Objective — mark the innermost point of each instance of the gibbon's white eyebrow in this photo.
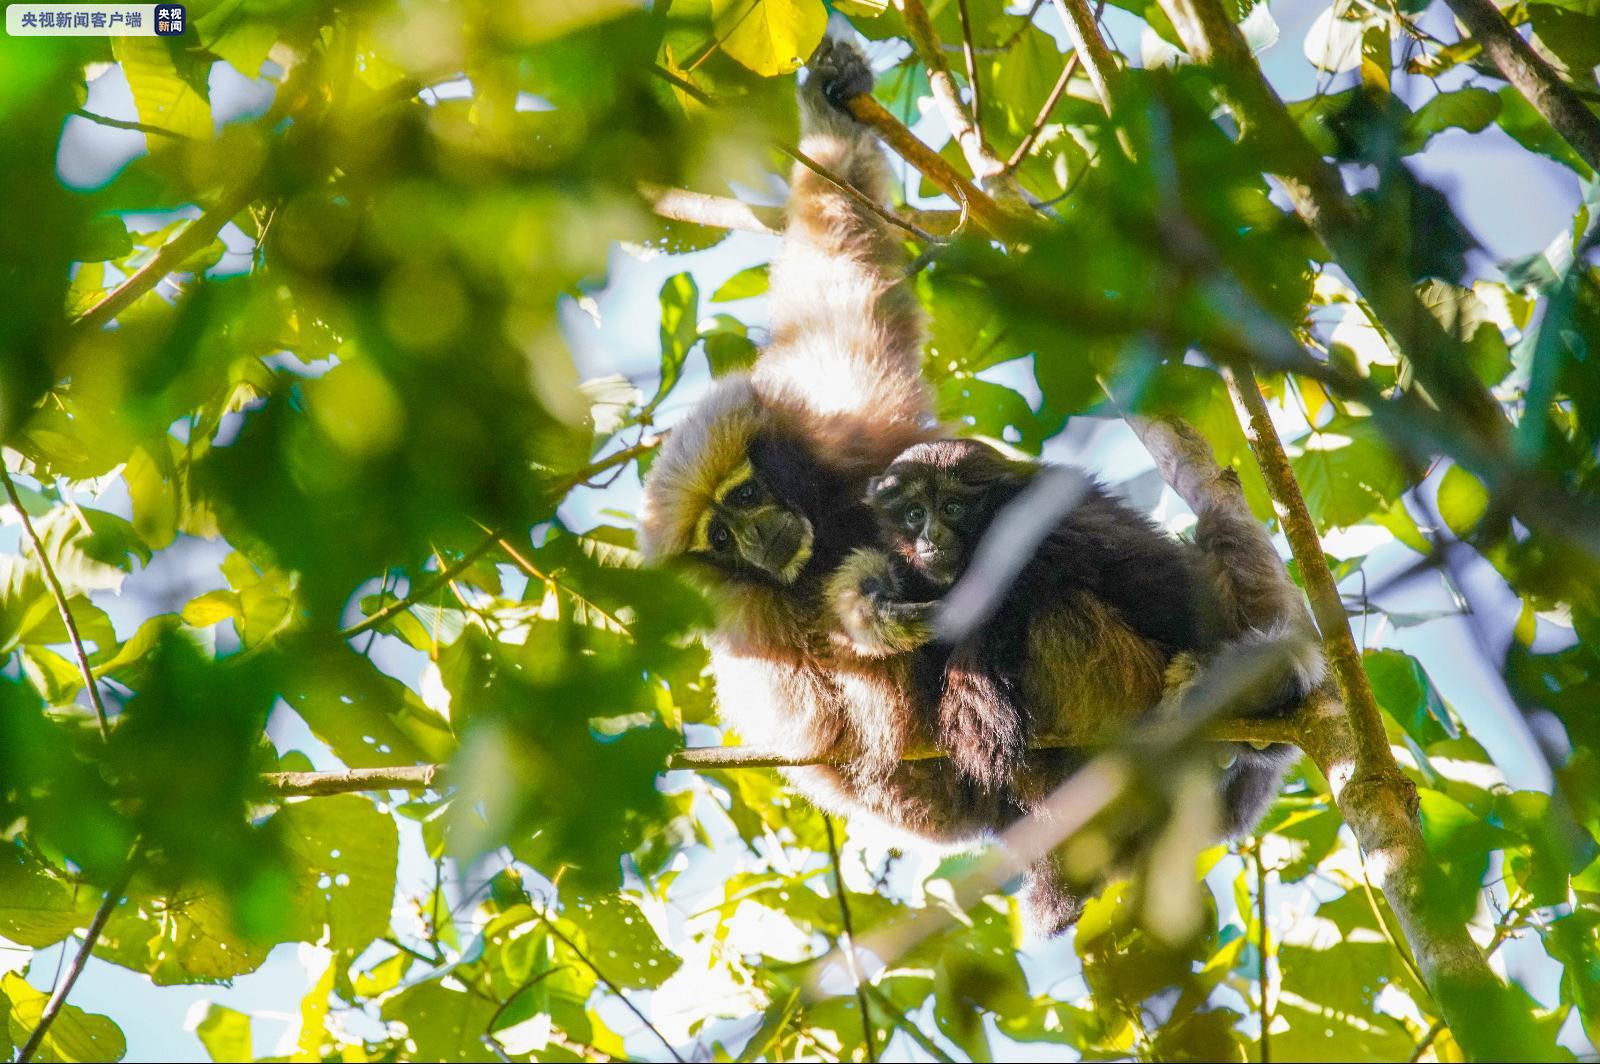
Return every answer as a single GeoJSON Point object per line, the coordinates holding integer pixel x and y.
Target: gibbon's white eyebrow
{"type": "Point", "coordinates": [1012, 539]}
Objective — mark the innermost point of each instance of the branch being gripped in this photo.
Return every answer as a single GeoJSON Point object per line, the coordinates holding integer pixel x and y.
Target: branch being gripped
{"type": "Point", "coordinates": [1007, 222]}
{"type": "Point", "coordinates": [1532, 76]}
{"type": "Point", "coordinates": [414, 778]}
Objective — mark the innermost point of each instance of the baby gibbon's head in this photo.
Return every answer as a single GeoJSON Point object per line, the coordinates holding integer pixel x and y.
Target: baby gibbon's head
{"type": "Point", "coordinates": [936, 500]}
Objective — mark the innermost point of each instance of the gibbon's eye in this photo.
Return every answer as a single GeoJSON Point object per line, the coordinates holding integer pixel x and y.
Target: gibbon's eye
{"type": "Point", "coordinates": [721, 538]}
{"type": "Point", "coordinates": [914, 515]}
{"type": "Point", "coordinates": [954, 508]}
{"type": "Point", "coordinates": [744, 494]}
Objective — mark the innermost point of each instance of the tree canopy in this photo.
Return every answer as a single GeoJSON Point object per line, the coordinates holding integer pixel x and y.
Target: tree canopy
{"type": "Point", "coordinates": [324, 632]}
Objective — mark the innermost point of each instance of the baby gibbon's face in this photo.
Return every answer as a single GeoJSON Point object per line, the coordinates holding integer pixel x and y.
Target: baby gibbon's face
{"type": "Point", "coordinates": [929, 518]}
{"type": "Point", "coordinates": [935, 502]}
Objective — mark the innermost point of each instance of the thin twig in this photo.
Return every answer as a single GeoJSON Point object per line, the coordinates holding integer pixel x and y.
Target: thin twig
{"type": "Point", "coordinates": [986, 166]}
{"type": "Point", "coordinates": [316, 784]}
{"type": "Point", "coordinates": [852, 963]}
{"type": "Point", "coordinates": [914, 1032]}
{"type": "Point", "coordinates": [427, 588]}
{"type": "Point", "coordinates": [122, 123]}
{"type": "Point", "coordinates": [972, 68]}
{"type": "Point", "coordinates": [1049, 107]}
{"type": "Point", "coordinates": [860, 198]}
{"type": "Point", "coordinates": [91, 936]}
{"type": "Point", "coordinates": [200, 232]}
{"type": "Point", "coordinates": [444, 576]}
{"type": "Point", "coordinates": [1082, 27]}
{"type": "Point", "coordinates": [60, 596]}
{"type": "Point", "coordinates": [714, 758]}
{"type": "Point", "coordinates": [550, 925]}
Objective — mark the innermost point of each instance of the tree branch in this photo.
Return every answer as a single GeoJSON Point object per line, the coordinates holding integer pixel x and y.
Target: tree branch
{"type": "Point", "coordinates": [701, 759]}
{"type": "Point", "coordinates": [849, 940]}
{"type": "Point", "coordinates": [62, 605]}
{"type": "Point", "coordinates": [964, 122]}
{"type": "Point", "coordinates": [122, 123]}
{"type": "Point", "coordinates": [1532, 76]}
{"type": "Point", "coordinates": [320, 784]}
{"type": "Point", "coordinates": [1009, 223]}
{"type": "Point", "coordinates": [1056, 92]}
{"type": "Point", "coordinates": [1087, 42]}
{"type": "Point", "coordinates": [1375, 761]}
{"type": "Point", "coordinates": [91, 936]}
{"type": "Point", "coordinates": [1350, 746]}
{"type": "Point", "coordinates": [1317, 191]}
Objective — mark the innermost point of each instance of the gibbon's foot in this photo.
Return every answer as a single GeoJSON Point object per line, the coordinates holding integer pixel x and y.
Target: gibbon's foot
{"type": "Point", "coordinates": [839, 72]}
{"type": "Point", "coordinates": [1051, 908]}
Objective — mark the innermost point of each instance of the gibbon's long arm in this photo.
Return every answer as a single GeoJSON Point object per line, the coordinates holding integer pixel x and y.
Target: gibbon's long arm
{"type": "Point", "coordinates": [846, 340]}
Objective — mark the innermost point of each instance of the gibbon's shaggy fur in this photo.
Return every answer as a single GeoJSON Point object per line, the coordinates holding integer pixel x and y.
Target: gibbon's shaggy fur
{"type": "Point", "coordinates": [1109, 619]}
{"type": "Point", "coordinates": [760, 491]}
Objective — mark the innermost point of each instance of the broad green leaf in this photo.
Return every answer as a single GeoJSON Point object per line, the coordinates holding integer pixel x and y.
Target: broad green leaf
{"type": "Point", "coordinates": [1470, 109]}
{"type": "Point", "coordinates": [1346, 472]}
{"type": "Point", "coordinates": [621, 941]}
{"type": "Point", "coordinates": [188, 936]}
{"type": "Point", "coordinates": [769, 36]}
{"type": "Point", "coordinates": [37, 907]}
{"type": "Point", "coordinates": [680, 310]}
{"type": "Point", "coordinates": [168, 87]}
{"type": "Point", "coordinates": [748, 282]}
{"type": "Point", "coordinates": [1404, 690]}
{"type": "Point", "coordinates": [343, 855]}
{"type": "Point", "coordinates": [225, 1033]}
{"type": "Point", "coordinates": [76, 1036]}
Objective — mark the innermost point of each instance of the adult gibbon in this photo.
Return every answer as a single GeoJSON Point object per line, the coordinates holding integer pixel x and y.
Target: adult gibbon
{"type": "Point", "coordinates": [1109, 613]}
{"type": "Point", "coordinates": [760, 491]}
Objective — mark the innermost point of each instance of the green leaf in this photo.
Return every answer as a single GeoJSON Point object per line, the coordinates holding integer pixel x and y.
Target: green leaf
{"type": "Point", "coordinates": [751, 281]}
{"type": "Point", "coordinates": [188, 936]}
{"type": "Point", "coordinates": [728, 348]}
{"type": "Point", "coordinates": [769, 36]}
{"type": "Point", "coordinates": [1528, 127]}
{"type": "Point", "coordinates": [75, 1036]}
{"type": "Point", "coordinates": [680, 329]}
{"type": "Point", "coordinates": [1463, 500]}
{"type": "Point", "coordinates": [343, 854]}
{"type": "Point", "coordinates": [621, 941]}
{"type": "Point", "coordinates": [1404, 690]}
{"type": "Point", "coordinates": [168, 95]}
{"type": "Point", "coordinates": [225, 1033]}
{"type": "Point", "coordinates": [1470, 109]}
{"type": "Point", "coordinates": [1346, 472]}
{"type": "Point", "coordinates": [37, 907]}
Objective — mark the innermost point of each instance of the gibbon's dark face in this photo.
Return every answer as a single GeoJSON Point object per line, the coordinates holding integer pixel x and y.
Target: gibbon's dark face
{"type": "Point", "coordinates": [761, 521]}
{"type": "Point", "coordinates": [936, 500]}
